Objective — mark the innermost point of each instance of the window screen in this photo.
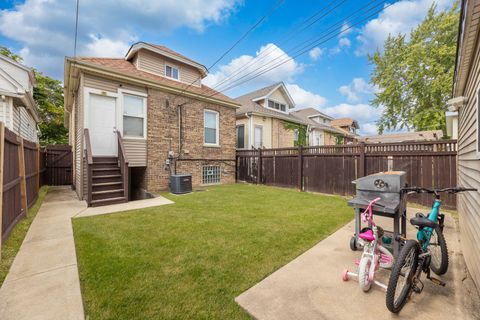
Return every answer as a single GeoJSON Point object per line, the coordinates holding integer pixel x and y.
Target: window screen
{"type": "Point", "coordinates": [241, 136]}
{"type": "Point", "coordinates": [171, 72]}
{"type": "Point", "coordinates": [210, 127]}
{"type": "Point", "coordinates": [210, 174]}
{"type": "Point", "coordinates": [133, 116]}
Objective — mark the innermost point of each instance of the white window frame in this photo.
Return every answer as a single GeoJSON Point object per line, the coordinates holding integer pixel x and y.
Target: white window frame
{"type": "Point", "coordinates": [276, 101]}
{"type": "Point", "coordinates": [173, 67]}
{"type": "Point", "coordinates": [122, 93]}
{"type": "Point", "coordinates": [261, 140]}
{"type": "Point", "coordinates": [217, 115]}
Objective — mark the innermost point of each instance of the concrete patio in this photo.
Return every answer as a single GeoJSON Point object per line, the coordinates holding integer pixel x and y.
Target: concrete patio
{"type": "Point", "coordinates": [310, 286]}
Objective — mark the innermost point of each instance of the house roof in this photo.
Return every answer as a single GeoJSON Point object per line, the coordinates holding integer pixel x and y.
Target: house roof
{"type": "Point", "coordinates": [125, 67]}
{"type": "Point", "coordinates": [259, 92]}
{"type": "Point", "coordinates": [165, 52]}
{"type": "Point", "coordinates": [311, 112]}
{"type": "Point", "coordinates": [307, 113]}
{"type": "Point", "coordinates": [345, 122]}
{"type": "Point", "coordinates": [249, 106]}
{"type": "Point", "coordinates": [404, 136]}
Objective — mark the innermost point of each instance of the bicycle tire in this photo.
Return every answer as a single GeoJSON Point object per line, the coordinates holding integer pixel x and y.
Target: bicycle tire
{"type": "Point", "coordinates": [443, 261]}
{"type": "Point", "coordinates": [395, 305]}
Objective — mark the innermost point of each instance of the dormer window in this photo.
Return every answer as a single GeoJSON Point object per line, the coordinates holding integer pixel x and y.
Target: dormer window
{"type": "Point", "coordinates": [277, 106]}
{"type": "Point", "coordinates": [172, 72]}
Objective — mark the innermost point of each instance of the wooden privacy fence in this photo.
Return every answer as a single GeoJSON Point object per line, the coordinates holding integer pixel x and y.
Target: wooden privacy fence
{"type": "Point", "coordinates": [58, 162]}
{"type": "Point", "coordinates": [21, 171]}
{"type": "Point", "coordinates": [331, 169]}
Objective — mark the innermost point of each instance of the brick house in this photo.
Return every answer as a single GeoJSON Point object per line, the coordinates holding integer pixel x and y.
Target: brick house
{"type": "Point", "coordinates": [151, 109]}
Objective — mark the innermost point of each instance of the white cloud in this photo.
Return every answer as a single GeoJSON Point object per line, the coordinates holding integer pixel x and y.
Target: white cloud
{"type": "Point", "coordinates": [304, 98]}
{"type": "Point", "coordinates": [399, 18]}
{"type": "Point", "coordinates": [368, 129]}
{"type": "Point", "coordinates": [360, 112]}
{"type": "Point", "coordinates": [315, 53]}
{"type": "Point", "coordinates": [245, 66]}
{"type": "Point", "coordinates": [342, 43]}
{"type": "Point", "coordinates": [356, 89]}
{"type": "Point", "coordinates": [345, 29]}
{"type": "Point", "coordinates": [104, 47]}
{"type": "Point", "coordinates": [45, 28]}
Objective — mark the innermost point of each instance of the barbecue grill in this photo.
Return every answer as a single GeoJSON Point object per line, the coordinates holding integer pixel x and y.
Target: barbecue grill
{"type": "Point", "coordinates": [388, 186]}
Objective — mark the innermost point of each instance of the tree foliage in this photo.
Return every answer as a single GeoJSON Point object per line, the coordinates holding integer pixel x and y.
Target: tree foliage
{"type": "Point", "coordinates": [414, 77]}
{"type": "Point", "coordinates": [48, 94]}
{"type": "Point", "coordinates": [300, 129]}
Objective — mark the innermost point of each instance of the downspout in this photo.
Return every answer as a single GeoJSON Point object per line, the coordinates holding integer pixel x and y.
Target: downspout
{"type": "Point", "coordinates": [249, 117]}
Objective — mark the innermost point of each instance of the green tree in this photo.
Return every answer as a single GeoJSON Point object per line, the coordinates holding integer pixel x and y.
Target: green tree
{"type": "Point", "coordinates": [414, 77]}
{"type": "Point", "coordinates": [48, 95]}
{"type": "Point", "coordinates": [301, 133]}
{"type": "Point", "coordinates": [8, 53]}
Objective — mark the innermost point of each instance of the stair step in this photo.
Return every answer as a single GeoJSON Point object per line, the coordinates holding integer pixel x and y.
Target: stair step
{"type": "Point", "coordinates": [106, 169]}
{"type": "Point", "coordinates": [107, 186]}
{"type": "Point", "coordinates": [103, 184]}
{"type": "Point", "coordinates": [103, 202]}
{"type": "Point", "coordinates": [106, 191]}
{"type": "Point", "coordinates": [108, 176]}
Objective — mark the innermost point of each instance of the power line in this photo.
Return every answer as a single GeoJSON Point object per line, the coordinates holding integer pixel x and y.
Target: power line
{"type": "Point", "coordinates": [304, 51]}
{"type": "Point", "coordinates": [251, 29]}
{"type": "Point", "coordinates": [293, 33]}
{"type": "Point", "coordinates": [76, 31]}
{"type": "Point", "coordinates": [305, 43]}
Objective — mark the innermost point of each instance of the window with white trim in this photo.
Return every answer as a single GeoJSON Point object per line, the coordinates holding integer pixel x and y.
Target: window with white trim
{"type": "Point", "coordinates": [210, 174]}
{"type": "Point", "coordinates": [277, 106]}
{"type": "Point", "coordinates": [211, 128]}
{"type": "Point", "coordinates": [172, 72]}
{"type": "Point", "coordinates": [133, 116]}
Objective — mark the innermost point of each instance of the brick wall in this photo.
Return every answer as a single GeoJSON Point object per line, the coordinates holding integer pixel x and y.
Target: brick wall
{"type": "Point", "coordinates": [281, 137]}
{"type": "Point", "coordinates": [163, 136]}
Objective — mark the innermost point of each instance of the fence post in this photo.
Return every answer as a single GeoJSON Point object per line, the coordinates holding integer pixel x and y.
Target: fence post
{"type": "Point", "coordinates": [21, 173]}
{"type": "Point", "coordinates": [259, 167]}
{"type": "Point", "coordinates": [361, 160]}
{"type": "Point", "coordinates": [38, 166]}
{"type": "Point", "coordinates": [300, 168]}
{"type": "Point", "coordinates": [2, 149]}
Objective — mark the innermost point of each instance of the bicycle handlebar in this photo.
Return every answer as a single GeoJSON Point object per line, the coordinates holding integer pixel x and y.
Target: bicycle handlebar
{"type": "Point", "coordinates": [436, 190]}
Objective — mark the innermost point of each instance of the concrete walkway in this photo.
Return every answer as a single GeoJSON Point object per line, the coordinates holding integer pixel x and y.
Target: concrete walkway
{"type": "Point", "coordinates": [310, 287]}
{"type": "Point", "coordinates": [43, 280]}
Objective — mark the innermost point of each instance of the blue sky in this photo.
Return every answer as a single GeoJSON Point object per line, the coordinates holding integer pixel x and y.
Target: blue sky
{"type": "Point", "coordinates": [332, 77]}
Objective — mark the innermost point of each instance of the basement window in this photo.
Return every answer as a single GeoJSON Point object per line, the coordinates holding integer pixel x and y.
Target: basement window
{"type": "Point", "coordinates": [210, 174]}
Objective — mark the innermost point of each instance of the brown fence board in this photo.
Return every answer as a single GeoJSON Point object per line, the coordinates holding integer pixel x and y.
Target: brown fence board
{"type": "Point", "coordinates": [331, 169]}
{"type": "Point", "coordinates": [58, 163]}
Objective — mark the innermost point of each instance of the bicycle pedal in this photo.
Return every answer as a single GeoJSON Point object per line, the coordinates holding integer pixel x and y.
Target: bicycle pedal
{"type": "Point", "coordinates": [438, 282]}
{"type": "Point", "coordinates": [417, 286]}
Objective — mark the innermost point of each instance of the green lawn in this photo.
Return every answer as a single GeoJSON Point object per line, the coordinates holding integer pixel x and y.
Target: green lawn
{"type": "Point", "coordinates": [11, 246]}
{"type": "Point", "coordinates": [191, 259]}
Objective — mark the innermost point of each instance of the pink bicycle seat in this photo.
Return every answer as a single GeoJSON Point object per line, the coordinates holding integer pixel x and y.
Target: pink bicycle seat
{"type": "Point", "coordinates": [367, 235]}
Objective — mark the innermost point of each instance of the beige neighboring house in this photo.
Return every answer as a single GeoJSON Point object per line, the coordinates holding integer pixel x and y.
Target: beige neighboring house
{"type": "Point", "coordinates": [321, 132]}
{"type": "Point", "coordinates": [18, 110]}
{"type": "Point", "coordinates": [262, 116]}
{"type": "Point", "coordinates": [349, 126]}
{"type": "Point", "coordinates": [404, 137]}
{"type": "Point", "coordinates": [153, 106]}
{"type": "Point", "coordinates": [466, 102]}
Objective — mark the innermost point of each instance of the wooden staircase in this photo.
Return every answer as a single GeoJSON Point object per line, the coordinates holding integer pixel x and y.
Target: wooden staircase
{"type": "Point", "coordinates": [107, 182]}
{"type": "Point", "coordinates": [107, 177]}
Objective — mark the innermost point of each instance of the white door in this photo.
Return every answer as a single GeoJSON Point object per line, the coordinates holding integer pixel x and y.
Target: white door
{"type": "Point", "coordinates": [102, 125]}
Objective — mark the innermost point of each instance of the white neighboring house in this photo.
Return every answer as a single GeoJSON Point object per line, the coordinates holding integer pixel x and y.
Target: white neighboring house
{"type": "Point", "coordinates": [18, 110]}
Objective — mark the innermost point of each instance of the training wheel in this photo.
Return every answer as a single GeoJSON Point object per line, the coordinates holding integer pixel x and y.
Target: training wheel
{"type": "Point", "coordinates": [353, 243]}
{"type": "Point", "coordinates": [345, 275]}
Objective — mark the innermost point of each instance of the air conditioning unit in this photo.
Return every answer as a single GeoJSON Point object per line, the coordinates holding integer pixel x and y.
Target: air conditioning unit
{"type": "Point", "coordinates": [181, 183]}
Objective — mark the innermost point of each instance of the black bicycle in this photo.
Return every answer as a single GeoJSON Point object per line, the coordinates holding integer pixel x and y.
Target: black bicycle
{"type": "Point", "coordinates": [427, 253]}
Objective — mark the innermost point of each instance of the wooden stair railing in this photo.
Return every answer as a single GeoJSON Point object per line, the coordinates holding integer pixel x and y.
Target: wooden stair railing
{"type": "Point", "coordinates": [123, 163]}
{"type": "Point", "coordinates": [89, 158]}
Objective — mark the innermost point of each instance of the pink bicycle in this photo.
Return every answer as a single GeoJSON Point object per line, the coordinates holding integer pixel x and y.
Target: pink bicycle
{"type": "Point", "coordinates": [374, 254]}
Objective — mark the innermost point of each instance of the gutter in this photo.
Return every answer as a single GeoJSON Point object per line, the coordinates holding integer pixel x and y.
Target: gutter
{"type": "Point", "coordinates": [142, 81]}
{"type": "Point", "coordinates": [457, 60]}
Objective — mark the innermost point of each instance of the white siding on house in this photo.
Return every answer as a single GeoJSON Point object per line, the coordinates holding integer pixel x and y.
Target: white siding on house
{"type": "Point", "coordinates": [5, 111]}
{"type": "Point", "coordinates": [469, 171]}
